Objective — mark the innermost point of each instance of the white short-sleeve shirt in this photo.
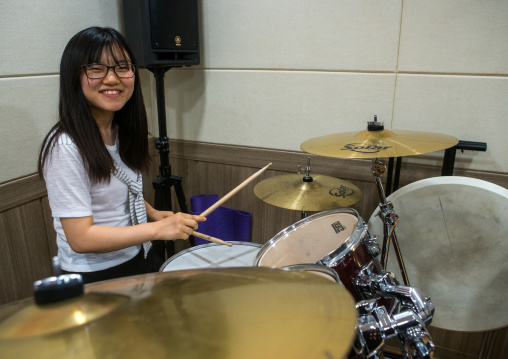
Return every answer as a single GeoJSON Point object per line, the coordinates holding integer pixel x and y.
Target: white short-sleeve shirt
{"type": "Point", "coordinates": [71, 194]}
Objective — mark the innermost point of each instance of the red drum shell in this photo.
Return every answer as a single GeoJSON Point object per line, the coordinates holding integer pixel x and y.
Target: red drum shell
{"type": "Point", "coordinates": [334, 238]}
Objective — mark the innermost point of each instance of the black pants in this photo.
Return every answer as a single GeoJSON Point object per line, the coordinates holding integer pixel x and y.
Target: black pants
{"type": "Point", "coordinates": [134, 266]}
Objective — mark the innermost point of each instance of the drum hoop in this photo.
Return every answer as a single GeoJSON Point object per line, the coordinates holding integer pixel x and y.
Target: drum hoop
{"type": "Point", "coordinates": [351, 243]}
{"type": "Point", "coordinates": [195, 248]}
{"type": "Point", "coordinates": [313, 267]}
{"type": "Point", "coordinates": [443, 180]}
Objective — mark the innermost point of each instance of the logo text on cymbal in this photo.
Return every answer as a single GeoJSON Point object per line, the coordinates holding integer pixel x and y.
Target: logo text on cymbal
{"type": "Point", "coordinates": [342, 191]}
{"type": "Point", "coordinates": [357, 147]}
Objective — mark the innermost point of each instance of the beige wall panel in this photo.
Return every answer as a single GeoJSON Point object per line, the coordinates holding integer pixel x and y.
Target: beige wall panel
{"type": "Point", "coordinates": [29, 109]}
{"type": "Point", "coordinates": [469, 108]}
{"type": "Point", "coordinates": [33, 34]}
{"type": "Point", "coordinates": [454, 36]}
{"type": "Point", "coordinates": [272, 109]}
{"type": "Point", "coordinates": [299, 34]}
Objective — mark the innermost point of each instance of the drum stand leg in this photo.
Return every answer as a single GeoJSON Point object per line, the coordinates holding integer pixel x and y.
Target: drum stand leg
{"type": "Point", "coordinates": [488, 340]}
{"type": "Point", "coordinates": [390, 220]}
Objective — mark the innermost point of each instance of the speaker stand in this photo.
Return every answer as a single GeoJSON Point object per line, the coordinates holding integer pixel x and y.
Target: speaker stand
{"type": "Point", "coordinates": [165, 180]}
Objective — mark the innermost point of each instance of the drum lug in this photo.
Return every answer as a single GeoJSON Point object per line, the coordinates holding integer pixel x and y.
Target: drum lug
{"type": "Point", "coordinates": [372, 246]}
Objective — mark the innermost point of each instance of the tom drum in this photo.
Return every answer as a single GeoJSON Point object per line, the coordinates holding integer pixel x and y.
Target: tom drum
{"type": "Point", "coordinates": [337, 238]}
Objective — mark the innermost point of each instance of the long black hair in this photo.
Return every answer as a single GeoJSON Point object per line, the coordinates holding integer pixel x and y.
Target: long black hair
{"type": "Point", "coordinates": [75, 117]}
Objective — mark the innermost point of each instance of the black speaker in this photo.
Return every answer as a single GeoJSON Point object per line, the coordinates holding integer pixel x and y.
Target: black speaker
{"type": "Point", "coordinates": [163, 32]}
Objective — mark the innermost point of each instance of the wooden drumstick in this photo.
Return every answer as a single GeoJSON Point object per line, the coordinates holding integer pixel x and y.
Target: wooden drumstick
{"type": "Point", "coordinates": [210, 238]}
{"type": "Point", "coordinates": [234, 191]}
{"type": "Point", "coordinates": [224, 199]}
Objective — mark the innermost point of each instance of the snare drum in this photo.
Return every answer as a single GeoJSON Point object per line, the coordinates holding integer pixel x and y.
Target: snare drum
{"type": "Point", "coordinates": [335, 238]}
{"type": "Point", "coordinates": [212, 255]}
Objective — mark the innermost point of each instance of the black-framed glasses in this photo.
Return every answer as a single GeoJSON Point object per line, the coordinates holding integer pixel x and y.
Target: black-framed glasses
{"type": "Point", "coordinates": [99, 71]}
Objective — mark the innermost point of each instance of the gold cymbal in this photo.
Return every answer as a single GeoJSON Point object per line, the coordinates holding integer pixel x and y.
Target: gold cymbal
{"type": "Point", "coordinates": [40, 320]}
{"type": "Point", "coordinates": [376, 144]}
{"type": "Point", "coordinates": [291, 192]}
{"type": "Point", "coordinates": [248, 312]}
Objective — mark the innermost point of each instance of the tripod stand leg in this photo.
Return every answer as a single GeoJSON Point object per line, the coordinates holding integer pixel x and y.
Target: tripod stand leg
{"type": "Point", "coordinates": [162, 202]}
{"type": "Point", "coordinates": [164, 182]}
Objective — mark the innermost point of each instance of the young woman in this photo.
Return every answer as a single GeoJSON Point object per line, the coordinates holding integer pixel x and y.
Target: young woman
{"type": "Point", "coordinates": [92, 161]}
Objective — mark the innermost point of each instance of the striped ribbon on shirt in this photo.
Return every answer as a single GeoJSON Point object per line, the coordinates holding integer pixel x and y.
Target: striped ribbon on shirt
{"type": "Point", "coordinates": [136, 200]}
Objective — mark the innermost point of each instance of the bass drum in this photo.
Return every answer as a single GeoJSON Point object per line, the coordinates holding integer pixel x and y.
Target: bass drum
{"type": "Point", "coordinates": [453, 238]}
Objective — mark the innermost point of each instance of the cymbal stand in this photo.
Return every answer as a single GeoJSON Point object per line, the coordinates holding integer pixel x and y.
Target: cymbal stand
{"type": "Point", "coordinates": [390, 220]}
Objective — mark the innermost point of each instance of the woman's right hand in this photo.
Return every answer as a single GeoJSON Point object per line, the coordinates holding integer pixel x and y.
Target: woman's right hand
{"type": "Point", "coordinates": [177, 226]}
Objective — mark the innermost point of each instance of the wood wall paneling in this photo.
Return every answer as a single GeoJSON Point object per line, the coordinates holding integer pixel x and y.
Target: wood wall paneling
{"type": "Point", "coordinates": [26, 255]}
{"type": "Point", "coordinates": [20, 191]}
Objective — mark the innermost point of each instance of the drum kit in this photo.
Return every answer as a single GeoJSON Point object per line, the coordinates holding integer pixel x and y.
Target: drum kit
{"type": "Point", "coordinates": [320, 288]}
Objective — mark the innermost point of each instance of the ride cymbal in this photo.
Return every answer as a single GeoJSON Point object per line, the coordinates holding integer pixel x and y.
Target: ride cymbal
{"type": "Point", "coordinates": [376, 144]}
{"type": "Point", "coordinates": [247, 312]}
{"type": "Point", "coordinates": [291, 192]}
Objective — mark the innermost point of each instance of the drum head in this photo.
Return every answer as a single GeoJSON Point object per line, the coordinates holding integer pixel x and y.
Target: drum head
{"type": "Point", "coordinates": [453, 238]}
{"type": "Point", "coordinates": [212, 255]}
{"type": "Point", "coordinates": [323, 236]}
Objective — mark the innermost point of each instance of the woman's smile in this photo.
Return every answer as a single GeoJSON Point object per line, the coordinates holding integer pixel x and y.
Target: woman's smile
{"type": "Point", "coordinates": [109, 94]}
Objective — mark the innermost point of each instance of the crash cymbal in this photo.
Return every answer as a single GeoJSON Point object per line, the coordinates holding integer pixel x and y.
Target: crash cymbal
{"type": "Point", "coordinates": [41, 320]}
{"type": "Point", "coordinates": [247, 312]}
{"type": "Point", "coordinates": [377, 144]}
{"type": "Point", "coordinates": [291, 192]}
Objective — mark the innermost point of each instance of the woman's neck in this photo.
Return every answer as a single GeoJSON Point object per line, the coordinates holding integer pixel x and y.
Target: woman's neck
{"type": "Point", "coordinates": [107, 129]}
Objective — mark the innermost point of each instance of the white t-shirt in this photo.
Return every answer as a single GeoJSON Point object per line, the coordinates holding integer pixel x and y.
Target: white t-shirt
{"type": "Point", "coordinates": [71, 194]}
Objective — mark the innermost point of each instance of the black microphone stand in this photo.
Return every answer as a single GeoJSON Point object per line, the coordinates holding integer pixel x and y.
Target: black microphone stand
{"type": "Point", "coordinates": [165, 180]}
